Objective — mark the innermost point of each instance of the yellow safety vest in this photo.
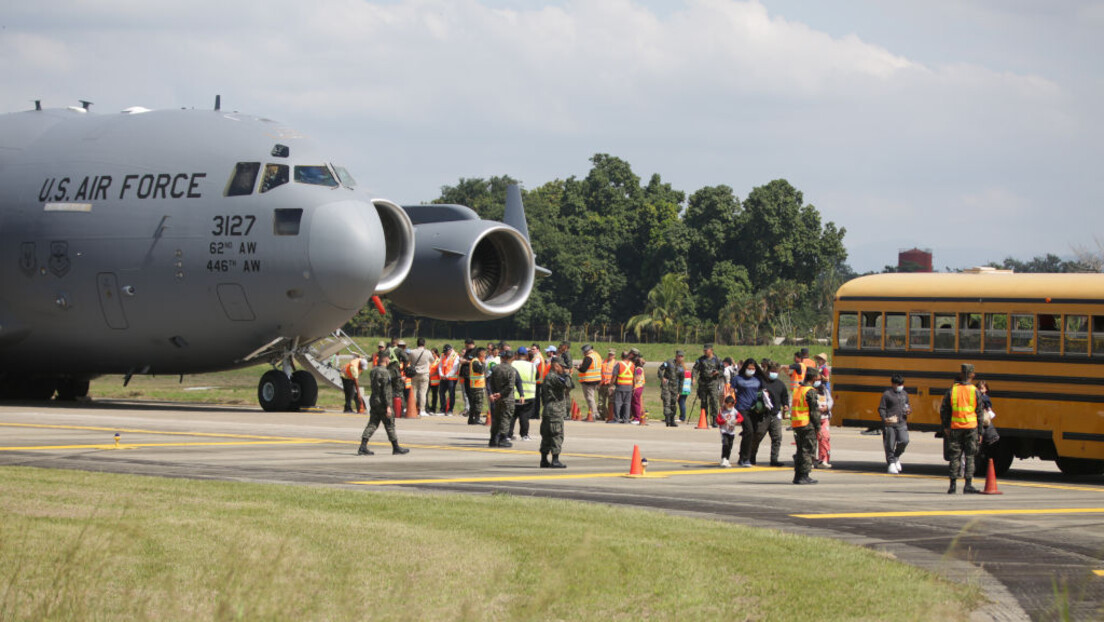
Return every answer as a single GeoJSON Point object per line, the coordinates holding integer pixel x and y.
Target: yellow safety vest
{"type": "Point", "coordinates": [963, 407]}
{"type": "Point", "coordinates": [594, 372]}
{"type": "Point", "coordinates": [625, 374]}
{"type": "Point", "coordinates": [477, 380]}
{"type": "Point", "coordinates": [799, 411]}
{"type": "Point", "coordinates": [527, 372]}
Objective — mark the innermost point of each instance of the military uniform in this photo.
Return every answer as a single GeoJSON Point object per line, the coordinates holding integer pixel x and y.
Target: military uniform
{"type": "Point", "coordinates": [959, 412]}
{"type": "Point", "coordinates": [554, 395]}
{"type": "Point", "coordinates": [708, 371]}
{"type": "Point", "coordinates": [671, 373]}
{"type": "Point", "coordinates": [476, 389]}
{"type": "Point", "coordinates": [806, 404]}
{"type": "Point", "coordinates": [502, 381]}
{"type": "Point", "coordinates": [382, 392]}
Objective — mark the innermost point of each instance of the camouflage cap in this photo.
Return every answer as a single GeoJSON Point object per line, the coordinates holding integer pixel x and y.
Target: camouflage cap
{"type": "Point", "coordinates": [967, 368]}
{"type": "Point", "coordinates": [707, 346]}
{"type": "Point", "coordinates": [679, 353]}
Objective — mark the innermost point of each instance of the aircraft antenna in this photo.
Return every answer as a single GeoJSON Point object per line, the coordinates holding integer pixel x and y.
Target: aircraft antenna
{"type": "Point", "coordinates": [85, 104]}
{"type": "Point", "coordinates": [218, 103]}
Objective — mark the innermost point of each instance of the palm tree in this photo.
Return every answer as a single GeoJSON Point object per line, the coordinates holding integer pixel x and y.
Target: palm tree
{"type": "Point", "coordinates": [666, 302]}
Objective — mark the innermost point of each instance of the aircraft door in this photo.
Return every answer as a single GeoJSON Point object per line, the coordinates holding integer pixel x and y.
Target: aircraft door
{"type": "Point", "coordinates": [110, 301]}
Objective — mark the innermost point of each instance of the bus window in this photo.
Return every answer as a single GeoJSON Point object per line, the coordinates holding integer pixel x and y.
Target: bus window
{"type": "Point", "coordinates": [871, 330]}
{"type": "Point", "coordinates": [969, 332]}
{"type": "Point", "coordinates": [944, 332]}
{"type": "Point", "coordinates": [996, 332]}
{"type": "Point", "coordinates": [1076, 336]}
{"type": "Point", "coordinates": [1050, 334]}
{"type": "Point", "coordinates": [896, 331]}
{"type": "Point", "coordinates": [1098, 335]}
{"type": "Point", "coordinates": [1023, 333]}
{"type": "Point", "coordinates": [920, 333]}
{"type": "Point", "coordinates": [847, 333]}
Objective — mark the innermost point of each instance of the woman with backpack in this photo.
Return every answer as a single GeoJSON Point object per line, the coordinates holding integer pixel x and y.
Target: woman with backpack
{"type": "Point", "coordinates": [747, 384]}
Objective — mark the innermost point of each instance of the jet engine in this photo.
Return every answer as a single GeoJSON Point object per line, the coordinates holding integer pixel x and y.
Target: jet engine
{"type": "Point", "coordinates": [398, 236]}
{"type": "Point", "coordinates": [465, 269]}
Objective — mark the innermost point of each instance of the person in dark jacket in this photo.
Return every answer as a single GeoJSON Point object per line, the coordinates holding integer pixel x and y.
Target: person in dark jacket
{"type": "Point", "coordinates": [778, 390]}
{"type": "Point", "coordinates": [894, 410]}
{"type": "Point", "coordinates": [747, 382]}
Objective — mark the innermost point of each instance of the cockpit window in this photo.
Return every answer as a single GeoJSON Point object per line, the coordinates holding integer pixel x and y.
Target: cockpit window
{"type": "Point", "coordinates": [244, 179]}
{"type": "Point", "coordinates": [274, 175]}
{"type": "Point", "coordinates": [343, 175]}
{"type": "Point", "coordinates": [315, 176]}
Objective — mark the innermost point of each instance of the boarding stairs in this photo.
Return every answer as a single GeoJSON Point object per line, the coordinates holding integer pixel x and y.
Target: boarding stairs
{"type": "Point", "coordinates": [325, 357]}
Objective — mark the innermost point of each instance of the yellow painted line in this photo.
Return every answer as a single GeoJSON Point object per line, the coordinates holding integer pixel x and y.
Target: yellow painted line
{"type": "Point", "coordinates": [558, 476]}
{"type": "Point", "coordinates": [992, 512]}
{"type": "Point", "coordinates": [139, 445]}
{"type": "Point", "coordinates": [1000, 483]}
{"type": "Point", "coordinates": [160, 432]}
{"type": "Point", "coordinates": [1099, 573]}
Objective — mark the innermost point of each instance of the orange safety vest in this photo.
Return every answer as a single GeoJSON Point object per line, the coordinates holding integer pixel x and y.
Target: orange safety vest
{"type": "Point", "coordinates": [435, 373]}
{"type": "Point", "coordinates": [639, 378]}
{"type": "Point", "coordinates": [542, 370]}
{"type": "Point", "coordinates": [625, 374]}
{"type": "Point", "coordinates": [348, 371]}
{"type": "Point", "coordinates": [607, 371]}
{"type": "Point", "coordinates": [449, 368]}
{"type": "Point", "coordinates": [476, 380]}
{"type": "Point", "coordinates": [538, 363]}
{"type": "Point", "coordinates": [406, 379]}
{"type": "Point", "coordinates": [594, 372]}
{"type": "Point", "coordinates": [799, 410]}
{"type": "Point", "coordinates": [963, 407]}
{"type": "Point", "coordinates": [796, 378]}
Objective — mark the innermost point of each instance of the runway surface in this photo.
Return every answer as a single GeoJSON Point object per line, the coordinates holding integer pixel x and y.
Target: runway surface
{"type": "Point", "coordinates": [1033, 548]}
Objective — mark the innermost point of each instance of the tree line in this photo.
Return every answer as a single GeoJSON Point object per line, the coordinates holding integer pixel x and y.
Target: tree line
{"type": "Point", "coordinates": [647, 259]}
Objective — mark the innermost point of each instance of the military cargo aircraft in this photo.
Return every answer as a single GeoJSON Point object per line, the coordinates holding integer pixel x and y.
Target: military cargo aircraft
{"type": "Point", "coordinates": [188, 241]}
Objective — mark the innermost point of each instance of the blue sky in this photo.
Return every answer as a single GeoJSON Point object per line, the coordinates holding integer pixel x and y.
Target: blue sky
{"type": "Point", "coordinates": [970, 127]}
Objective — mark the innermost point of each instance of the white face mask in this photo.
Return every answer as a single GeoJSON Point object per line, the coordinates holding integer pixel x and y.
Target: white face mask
{"type": "Point", "coordinates": [899, 388]}
{"type": "Point", "coordinates": [773, 375]}
{"type": "Point", "coordinates": [816, 384]}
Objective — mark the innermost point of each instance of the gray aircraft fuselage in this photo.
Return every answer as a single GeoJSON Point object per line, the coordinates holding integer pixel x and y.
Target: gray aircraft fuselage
{"type": "Point", "coordinates": [126, 247]}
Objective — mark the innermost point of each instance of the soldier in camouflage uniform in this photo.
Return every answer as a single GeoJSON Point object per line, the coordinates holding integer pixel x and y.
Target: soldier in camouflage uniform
{"type": "Point", "coordinates": [708, 371]}
{"type": "Point", "coordinates": [555, 396]}
{"type": "Point", "coordinates": [504, 379]}
{"type": "Point", "coordinates": [380, 407]}
{"type": "Point", "coordinates": [805, 419]}
{"type": "Point", "coordinates": [671, 373]}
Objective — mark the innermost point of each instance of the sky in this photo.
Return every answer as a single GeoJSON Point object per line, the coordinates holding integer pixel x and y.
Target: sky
{"type": "Point", "coordinates": [970, 127]}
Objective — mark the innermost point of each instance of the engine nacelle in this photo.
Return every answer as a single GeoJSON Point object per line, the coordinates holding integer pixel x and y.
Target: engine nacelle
{"type": "Point", "coordinates": [465, 269]}
{"type": "Point", "coordinates": [398, 236]}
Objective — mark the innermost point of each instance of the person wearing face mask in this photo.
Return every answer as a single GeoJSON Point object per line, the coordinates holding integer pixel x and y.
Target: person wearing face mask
{"type": "Point", "coordinates": [746, 384]}
{"type": "Point", "coordinates": [778, 390]}
{"type": "Point", "coordinates": [894, 410]}
{"type": "Point", "coordinates": [824, 434]}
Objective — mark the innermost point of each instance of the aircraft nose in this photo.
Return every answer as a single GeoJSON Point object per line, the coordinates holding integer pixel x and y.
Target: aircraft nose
{"type": "Point", "coordinates": [346, 252]}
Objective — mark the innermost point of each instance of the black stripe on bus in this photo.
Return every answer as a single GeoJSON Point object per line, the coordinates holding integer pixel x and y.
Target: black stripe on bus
{"type": "Point", "coordinates": [935, 427]}
{"type": "Point", "coordinates": [974, 300]}
{"type": "Point", "coordinates": [1082, 436]}
{"type": "Point", "coordinates": [958, 356]}
{"type": "Point", "coordinates": [1016, 395]}
{"type": "Point", "coordinates": [936, 375]}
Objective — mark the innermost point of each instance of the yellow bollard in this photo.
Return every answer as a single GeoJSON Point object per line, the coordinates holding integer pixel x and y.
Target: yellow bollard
{"type": "Point", "coordinates": [116, 440]}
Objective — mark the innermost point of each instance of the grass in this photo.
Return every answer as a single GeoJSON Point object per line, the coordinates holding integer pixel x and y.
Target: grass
{"type": "Point", "coordinates": [239, 386]}
{"type": "Point", "coordinates": [78, 545]}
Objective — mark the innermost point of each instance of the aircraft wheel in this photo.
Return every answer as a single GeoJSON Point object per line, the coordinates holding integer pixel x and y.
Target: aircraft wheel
{"type": "Point", "coordinates": [1080, 466]}
{"type": "Point", "coordinates": [274, 391]}
{"type": "Point", "coordinates": [70, 389]}
{"type": "Point", "coordinates": [39, 389]}
{"type": "Point", "coordinates": [304, 390]}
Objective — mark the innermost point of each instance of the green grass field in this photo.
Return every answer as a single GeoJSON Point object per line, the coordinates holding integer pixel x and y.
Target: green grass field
{"type": "Point", "coordinates": [84, 546]}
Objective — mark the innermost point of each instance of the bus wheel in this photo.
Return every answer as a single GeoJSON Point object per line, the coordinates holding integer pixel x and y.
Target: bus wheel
{"type": "Point", "coordinates": [1080, 466]}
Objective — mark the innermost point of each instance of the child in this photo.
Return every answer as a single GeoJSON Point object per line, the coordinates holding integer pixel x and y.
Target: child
{"type": "Point", "coordinates": [824, 434]}
{"type": "Point", "coordinates": [727, 421]}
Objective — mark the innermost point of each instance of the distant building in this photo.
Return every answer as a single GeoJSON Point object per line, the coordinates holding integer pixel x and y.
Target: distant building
{"type": "Point", "coordinates": [915, 260]}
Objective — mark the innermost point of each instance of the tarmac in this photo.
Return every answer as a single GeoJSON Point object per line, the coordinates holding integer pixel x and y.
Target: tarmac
{"type": "Point", "coordinates": [1035, 550]}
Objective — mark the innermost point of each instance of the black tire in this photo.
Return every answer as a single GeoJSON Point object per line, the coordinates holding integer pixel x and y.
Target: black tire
{"type": "Point", "coordinates": [304, 390]}
{"type": "Point", "coordinates": [40, 389]}
{"type": "Point", "coordinates": [70, 389]}
{"type": "Point", "coordinates": [1080, 466]}
{"type": "Point", "coordinates": [274, 391]}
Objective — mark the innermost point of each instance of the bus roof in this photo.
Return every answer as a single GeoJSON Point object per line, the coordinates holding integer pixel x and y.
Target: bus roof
{"type": "Point", "coordinates": [975, 286]}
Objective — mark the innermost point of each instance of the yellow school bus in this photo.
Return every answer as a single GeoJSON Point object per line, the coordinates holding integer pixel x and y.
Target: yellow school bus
{"type": "Point", "coordinates": [1038, 339]}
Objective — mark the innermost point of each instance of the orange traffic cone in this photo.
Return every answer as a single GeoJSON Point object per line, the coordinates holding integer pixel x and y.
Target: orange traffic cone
{"type": "Point", "coordinates": [574, 410]}
{"type": "Point", "coordinates": [637, 467]}
{"type": "Point", "coordinates": [590, 415]}
{"type": "Point", "coordinates": [609, 412]}
{"type": "Point", "coordinates": [488, 421]}
{"type": "Point", "coordinates": [991, 481]}
{"type": "Point", "coordinates": [703, 423]}
{"type": "Point", "coordinates": [411, 405]}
